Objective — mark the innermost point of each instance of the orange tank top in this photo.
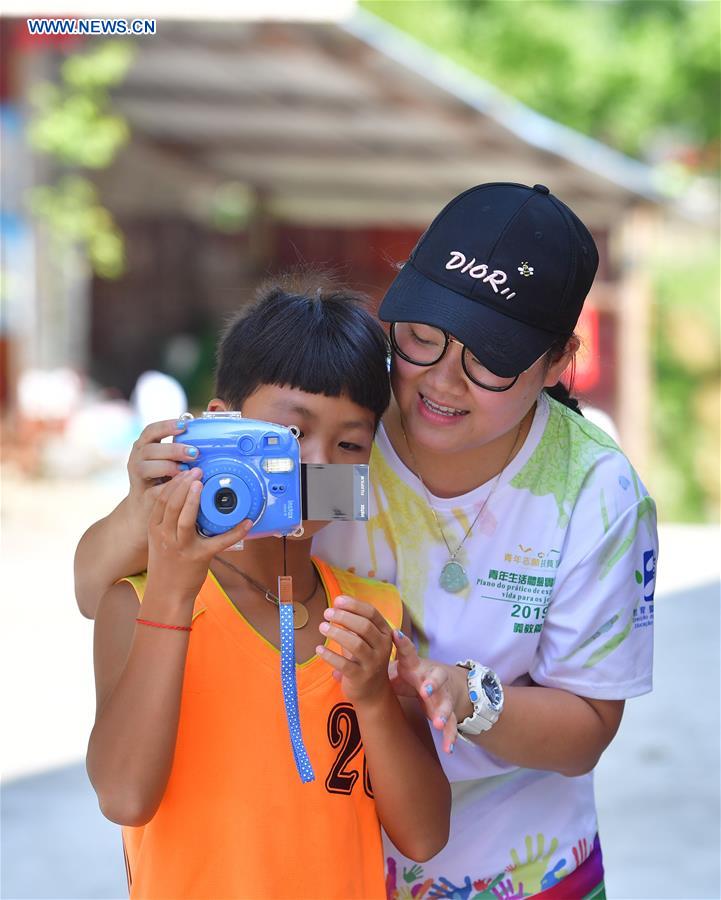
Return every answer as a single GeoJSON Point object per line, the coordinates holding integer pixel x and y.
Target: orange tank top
{"type": "Point", "coordinates": [235, 820]}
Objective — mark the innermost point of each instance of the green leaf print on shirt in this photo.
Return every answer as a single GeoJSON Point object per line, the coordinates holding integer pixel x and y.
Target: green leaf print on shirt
{"type": "Point", "coordinates": [560, 463]}
{"type": "Point", "coordinates": [611, 644]}
{"type": "Point", "coordinates": [406, 522]}
{"type": "Point", "coordinates": [613, 553]}
{"type": "Point", "coordinates": [594, 637]}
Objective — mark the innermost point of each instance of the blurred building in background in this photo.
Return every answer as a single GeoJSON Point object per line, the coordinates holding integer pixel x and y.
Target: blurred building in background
{"type": "Point", "coordinates": [261, 145]}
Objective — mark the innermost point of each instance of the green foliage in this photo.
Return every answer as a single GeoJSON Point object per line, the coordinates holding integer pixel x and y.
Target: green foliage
{"type": "Point", "coordinates": [101, 70]}
{"type": "Point", "coordinates": [639, 75]}
{"type": "Point", "coordinates": [73, 213]}
{"type": "Point", "coordinates": [687, 367]}
{"type": "Point", "coordinates": [74, 129]}
{"type": "Point", "coordinates": [633, 73]}
{"type": "Point", "coordinates": [74, 124]}
{"type": "Point", "coordinates": [626, 72]}
{"type": "Point", "coordinates": [231, 207]}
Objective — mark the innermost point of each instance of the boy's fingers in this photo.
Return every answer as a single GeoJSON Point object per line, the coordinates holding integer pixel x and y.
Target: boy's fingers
{"type": "Point", "coordinates": [149, 471]}
{"type": "Point", "coordinates": [347, 640]}
{"type": "Point", "coordinates": [371, 630]}
{"type": "Point", "coordinates": [360, 607]}
{"type": "Point", "coordinates": [344, 603]}
{"type": "Point", "coordinates": [220, 542]}
{"type": "Point", "coordinates": [189, 510]}
{"type": "Point", "coordinates": [156, 490]}
{"type": "Point", "coordinates": [158, 511]}
{"type": "Point", "coordinates": [177, 492]}
{"type": "Point", "coordinates": [341, 664]}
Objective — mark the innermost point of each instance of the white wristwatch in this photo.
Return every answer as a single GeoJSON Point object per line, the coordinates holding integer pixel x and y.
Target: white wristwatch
{"type": "Point", "coordinates": [486, 694]}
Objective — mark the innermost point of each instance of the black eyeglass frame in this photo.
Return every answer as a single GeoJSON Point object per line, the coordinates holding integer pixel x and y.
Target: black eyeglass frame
{"type": "Point", "coordinates": [449, 340]}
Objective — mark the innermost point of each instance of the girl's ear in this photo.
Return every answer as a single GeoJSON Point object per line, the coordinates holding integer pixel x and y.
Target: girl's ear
{"type": "Point", "coordinates": [217, 405]}
{"type": "Point", "coordinates": [561, 363]}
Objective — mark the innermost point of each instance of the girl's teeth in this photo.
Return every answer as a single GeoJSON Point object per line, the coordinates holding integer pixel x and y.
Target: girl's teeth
{"type": "Point", "coordinates": [442, 410]}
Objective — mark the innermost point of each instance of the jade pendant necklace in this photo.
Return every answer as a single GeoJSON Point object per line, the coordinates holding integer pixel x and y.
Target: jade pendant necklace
{"type": "Point", "coordinates": [454, 578]}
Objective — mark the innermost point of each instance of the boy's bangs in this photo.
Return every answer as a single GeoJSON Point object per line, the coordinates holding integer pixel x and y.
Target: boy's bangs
{"type": "Point", "coordinates": [333, 366]}
{"type": "Point", "coordinates": [319, 343]}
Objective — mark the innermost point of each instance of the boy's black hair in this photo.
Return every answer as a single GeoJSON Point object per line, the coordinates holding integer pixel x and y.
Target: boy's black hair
{"type": "Point", "coordinates": [306, 332]}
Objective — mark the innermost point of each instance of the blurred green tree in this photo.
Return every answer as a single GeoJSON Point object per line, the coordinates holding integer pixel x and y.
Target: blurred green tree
{"type": "Point", "coordinates": [74, 124]}
{"type": "Point", "coordinates": [687, 369]}
{"type": "Point", "coordinates": [637, 74]}
{"type": "Point", "coordinates": [645, 77]}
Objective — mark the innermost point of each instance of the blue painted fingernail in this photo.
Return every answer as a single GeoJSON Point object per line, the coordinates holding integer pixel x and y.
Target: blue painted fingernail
{"type": "Point", "coordinates": [443, 719]}
{"type": "Point", "coordinates": [452, 748]}
{"type": "Point", "coordinates": [192, 451]}
{"type": "Point", "coordinates": [180, 424]}
{"type": "Point", "coordinates": [428, 688]}
{"type": "Point", "coordinates": [400, 633]}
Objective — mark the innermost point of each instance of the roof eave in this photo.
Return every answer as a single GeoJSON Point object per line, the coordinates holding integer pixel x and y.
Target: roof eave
{"type": "Point", "coordinates": [532, 127]}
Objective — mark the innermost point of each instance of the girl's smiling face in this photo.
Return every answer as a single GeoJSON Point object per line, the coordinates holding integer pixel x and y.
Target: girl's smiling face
{"type": "Point", "coordinates": [444, 412]}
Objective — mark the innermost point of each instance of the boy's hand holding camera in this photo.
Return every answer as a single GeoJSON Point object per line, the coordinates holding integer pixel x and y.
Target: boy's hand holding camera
{"type": "Point", "coordinates": [178, 557]}
{"type": "Point", "coordinates": [97, 561]}
{"type": "Point", "coordinates": [149, 465]}
{"type": "Point", "coordinates": [366, 640]}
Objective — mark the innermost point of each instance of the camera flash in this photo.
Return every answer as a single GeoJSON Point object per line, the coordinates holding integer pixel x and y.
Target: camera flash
{"type": "Point", "coordinates": [276, 466]}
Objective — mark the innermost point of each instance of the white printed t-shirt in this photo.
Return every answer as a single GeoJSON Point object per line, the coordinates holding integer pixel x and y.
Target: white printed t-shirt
{"type": "Point", "coordinates": [561, 568]}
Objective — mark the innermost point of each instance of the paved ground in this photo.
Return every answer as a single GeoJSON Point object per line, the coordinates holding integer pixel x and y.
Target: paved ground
{"type": "Point", "coordinates": [657, 786]}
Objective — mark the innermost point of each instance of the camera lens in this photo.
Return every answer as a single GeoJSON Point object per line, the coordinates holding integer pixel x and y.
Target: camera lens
{"type": "Point", "coordinates": [225, 500]}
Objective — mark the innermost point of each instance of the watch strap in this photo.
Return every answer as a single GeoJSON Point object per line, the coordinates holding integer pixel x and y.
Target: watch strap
{"type": "Point", "coordinates": [484, 715]}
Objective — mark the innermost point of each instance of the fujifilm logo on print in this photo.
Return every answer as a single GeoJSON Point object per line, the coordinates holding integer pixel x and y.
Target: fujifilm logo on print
{"type": "Point", "coordinates": [479, 271]}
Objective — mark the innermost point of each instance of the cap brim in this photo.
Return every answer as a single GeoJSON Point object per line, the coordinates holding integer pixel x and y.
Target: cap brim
{"type": "Point", "coordinates": [503, 344]}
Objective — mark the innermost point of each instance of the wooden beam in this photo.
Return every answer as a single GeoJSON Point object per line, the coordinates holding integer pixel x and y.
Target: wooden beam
{"type": "Point", "coordinates": [634, 396]}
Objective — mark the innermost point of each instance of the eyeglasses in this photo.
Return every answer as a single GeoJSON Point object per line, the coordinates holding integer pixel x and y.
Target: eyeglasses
{"type": "Point", "coordinates": [424, 345]}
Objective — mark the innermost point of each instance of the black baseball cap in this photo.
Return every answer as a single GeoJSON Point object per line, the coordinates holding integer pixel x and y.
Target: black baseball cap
{"type": "Point", "coordinates": [504, 268]}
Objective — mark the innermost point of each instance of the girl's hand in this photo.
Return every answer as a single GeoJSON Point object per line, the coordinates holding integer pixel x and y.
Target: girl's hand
{"type": "Point", "coordinates": [435, 684]}
{"type": "Point", "coordinates": [178, 557]}
{"type": "Point", "coordinates": [365, 639]}
{"type": "Point", "coordinates": [150, 464]}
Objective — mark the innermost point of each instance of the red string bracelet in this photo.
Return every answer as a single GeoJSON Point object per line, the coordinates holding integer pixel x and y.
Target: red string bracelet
{"type": "Point", "coordinates": [163, 625]}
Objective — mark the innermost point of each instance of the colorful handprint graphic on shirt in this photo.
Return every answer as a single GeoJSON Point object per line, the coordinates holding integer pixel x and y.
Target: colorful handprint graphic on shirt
{"type": "Point", "coordinates": [530, 872]}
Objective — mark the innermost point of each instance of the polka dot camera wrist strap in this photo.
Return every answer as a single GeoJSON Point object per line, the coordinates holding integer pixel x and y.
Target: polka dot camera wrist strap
{"type": "Point", "coordinates": [287, 674]}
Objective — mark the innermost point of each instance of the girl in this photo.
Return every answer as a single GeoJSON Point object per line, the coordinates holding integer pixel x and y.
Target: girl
{"type": "Point", "coordinates": [520, 537]}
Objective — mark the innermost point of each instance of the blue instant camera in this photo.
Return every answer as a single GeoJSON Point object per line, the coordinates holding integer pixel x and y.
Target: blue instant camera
{"type": "Point", "coordinates": [251, 470]}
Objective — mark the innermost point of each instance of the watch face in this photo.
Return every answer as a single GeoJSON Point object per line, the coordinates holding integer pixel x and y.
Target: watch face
{"type": "Point", "coordinates": [492, 690]}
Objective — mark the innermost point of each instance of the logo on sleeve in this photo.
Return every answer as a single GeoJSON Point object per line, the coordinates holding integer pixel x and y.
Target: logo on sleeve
{"type": "Point", "coordinates": [649, 575]}
{"type": "Point", "coordinates": [643, 613]}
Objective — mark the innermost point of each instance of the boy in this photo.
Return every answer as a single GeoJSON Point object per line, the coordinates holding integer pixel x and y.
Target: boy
{"type": "Point", "coordinates": [190, 748]}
